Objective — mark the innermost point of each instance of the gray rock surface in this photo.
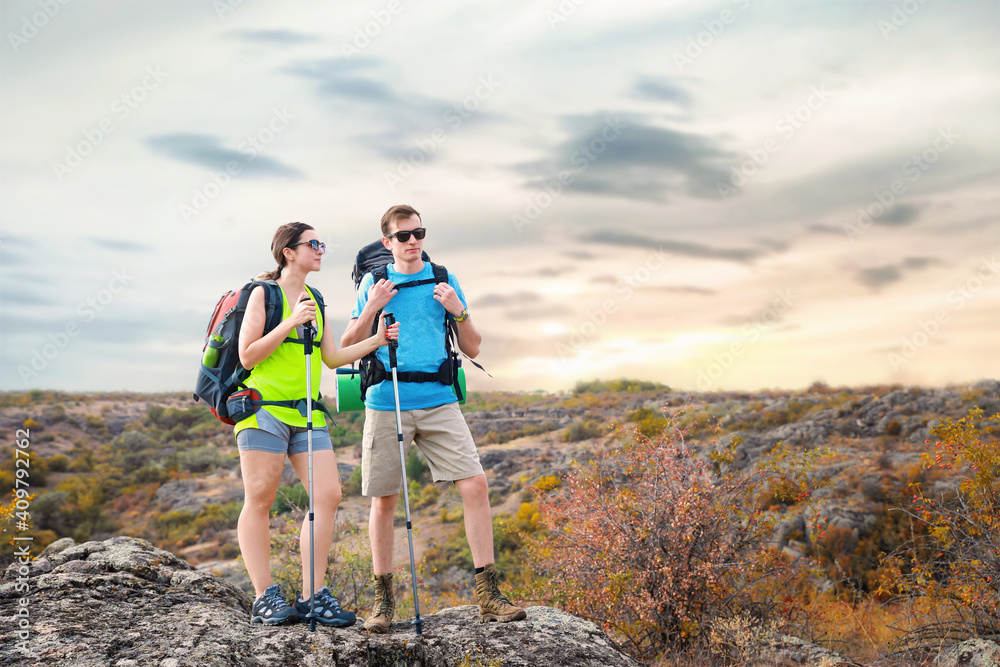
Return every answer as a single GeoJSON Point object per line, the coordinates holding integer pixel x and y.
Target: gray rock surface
{"type": "Point", "coordinates": [970, 653]}
{"type": "Point", "coordinates": [123, 602]}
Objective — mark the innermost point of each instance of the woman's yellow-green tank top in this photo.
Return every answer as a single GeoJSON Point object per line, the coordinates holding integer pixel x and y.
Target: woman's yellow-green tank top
{"type": "Point", "coordinates": [282, 377]}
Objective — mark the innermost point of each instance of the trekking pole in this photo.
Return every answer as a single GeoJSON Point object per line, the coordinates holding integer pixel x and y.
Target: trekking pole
{"type": "Point", "coordinates": [308, 343]}
{"type": "Point", "coordinates": [393, 344]}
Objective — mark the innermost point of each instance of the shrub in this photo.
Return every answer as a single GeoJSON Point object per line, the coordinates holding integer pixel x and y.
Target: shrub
{"type": "Point", "coordinates": [649, 543]}
{"type": "Point", "coordinates": [202, 459]}
{"type": "Point", "coordinates": [58, 463]}
{"type": "Point", "coordinates": [347, 571]}
{"type": "Point", "coordinates": [582, 430]}
{"type": "Point", "coordinates": [416, 468]}
{"type": "Point", "coordinates": [955, 566]}
{"type": "Point", "coordinates": [352, 487]}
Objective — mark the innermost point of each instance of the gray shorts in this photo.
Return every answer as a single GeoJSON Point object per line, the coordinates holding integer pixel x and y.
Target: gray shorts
{"type": "Point", "coordinates": [279, 438]}
{"type": "Point", "coordinates": [440, 434]}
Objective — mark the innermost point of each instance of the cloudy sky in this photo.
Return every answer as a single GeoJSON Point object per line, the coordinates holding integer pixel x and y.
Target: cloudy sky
{"type": "Point", "coordinates": [738, 194]}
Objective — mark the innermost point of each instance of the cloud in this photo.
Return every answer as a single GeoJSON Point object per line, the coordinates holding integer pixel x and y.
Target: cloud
{"type": "Point", "coordinates": [825, 229]}
{"type": "Point", "coordinates": [609, 156]}
{"type": "Point", "coordinates": [687, 289]}
{"type": "Point", "coordinates": [919, 262]}
{"type": "Point", "coordinates": [540, 312]}
{"type": "Point", "coordinates": [492, 300]}
{"type": "Point", "coordinates": [898, 216]}
{"type": "Point", "coordinates": [393, 117]}
{"type": "Point", "coordinates": [280, 36]}
{"type": "Point", "coordinates": [662, 90]}
{"type": "Point", "coordinates": [878, 277]}
{"type": "Point", "coordinates": [207, 151]}
{"type": "Point", "coordinates": [676, 247]}
{"type": "Point", "coordinates": [119, 245]}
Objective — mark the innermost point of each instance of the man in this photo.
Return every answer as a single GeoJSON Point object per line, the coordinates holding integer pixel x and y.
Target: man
{"type": "Point", "coordinates": [430, 414]}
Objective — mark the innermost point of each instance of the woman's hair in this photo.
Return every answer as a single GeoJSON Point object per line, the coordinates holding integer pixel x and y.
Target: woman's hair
{"type": "Point", "coordinates": [395, 214]}
{"type": "Point", "coordinates": [288, 234]}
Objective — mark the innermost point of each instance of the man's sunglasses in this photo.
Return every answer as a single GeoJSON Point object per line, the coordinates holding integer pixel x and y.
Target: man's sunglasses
{"type": "Point", "coordinates": [314, 244]}
{"type": "Point", "coordinates": [403, 237]}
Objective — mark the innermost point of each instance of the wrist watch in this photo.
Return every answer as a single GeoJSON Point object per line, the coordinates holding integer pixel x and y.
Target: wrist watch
{"type": "Point", "coordinates": [464, 316]}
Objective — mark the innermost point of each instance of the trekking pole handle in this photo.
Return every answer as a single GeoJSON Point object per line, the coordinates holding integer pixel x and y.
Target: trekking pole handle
{"type": "Point", "coordinates": [393, 344]}
{"type": "Point", "coordinates": [307, 329]}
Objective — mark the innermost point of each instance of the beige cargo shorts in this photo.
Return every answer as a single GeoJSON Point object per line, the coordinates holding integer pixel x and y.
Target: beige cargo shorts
{"type": "Point", "coordinates": [441, 434]}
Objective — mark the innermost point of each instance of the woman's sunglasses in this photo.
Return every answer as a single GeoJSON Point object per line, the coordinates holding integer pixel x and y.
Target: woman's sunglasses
{"type": "Point", "coordinates": [314, 244]}
{"type": "Point", "coordinates": [403, 237]}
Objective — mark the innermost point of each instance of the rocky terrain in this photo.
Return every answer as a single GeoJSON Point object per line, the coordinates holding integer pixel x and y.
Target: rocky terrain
{"type": "Point", "coordinates": [122, 602]}
{"type": "Point", "coordinates": [872, 438]}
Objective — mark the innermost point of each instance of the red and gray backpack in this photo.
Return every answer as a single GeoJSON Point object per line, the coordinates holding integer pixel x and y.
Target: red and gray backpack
{"type": "Point", "coordinates": [221, 377]}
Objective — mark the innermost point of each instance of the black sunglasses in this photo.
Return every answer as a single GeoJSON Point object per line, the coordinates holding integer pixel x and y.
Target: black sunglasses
{"type": "Point", "coordinates": [313, 243]}
{"type": "Point", "coordinates": [419, 233]}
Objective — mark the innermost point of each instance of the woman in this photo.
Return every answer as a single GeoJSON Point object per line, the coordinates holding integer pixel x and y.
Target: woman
{"type": "Point", "coordinates": [274, 432]}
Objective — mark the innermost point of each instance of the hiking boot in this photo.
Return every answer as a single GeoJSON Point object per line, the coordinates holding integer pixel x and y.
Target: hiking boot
{"type": "Point", "coordinates": [494, 605]}
{"type": "Point", "coordinates": [385, 605]}
{"type": "Point", "coordinates": [272, 608]}
{"type": "Point", "coordinates": [328, 611]}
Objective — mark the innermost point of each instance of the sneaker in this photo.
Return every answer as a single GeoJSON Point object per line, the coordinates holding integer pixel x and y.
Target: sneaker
{"type": "Point", "coordinates": [272, 608]}
{"type": "Point", "coordinates": [494, 605]}
{"type": "Point", "coordinates": [328, 611]}
{"type": "Point", "coordinates": [385, 605]}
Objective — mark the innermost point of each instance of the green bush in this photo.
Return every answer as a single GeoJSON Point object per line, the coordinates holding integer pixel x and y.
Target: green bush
{"type": "Point", "coordinates": [582, 430]}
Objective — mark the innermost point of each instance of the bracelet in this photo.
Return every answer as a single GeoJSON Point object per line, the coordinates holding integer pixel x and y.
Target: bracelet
{"type": "Point", "coordinates": [464, 316]}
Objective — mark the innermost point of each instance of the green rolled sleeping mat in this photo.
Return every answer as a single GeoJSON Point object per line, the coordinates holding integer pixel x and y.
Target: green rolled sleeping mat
{"type": "Point", "coordinates": [349, 389]}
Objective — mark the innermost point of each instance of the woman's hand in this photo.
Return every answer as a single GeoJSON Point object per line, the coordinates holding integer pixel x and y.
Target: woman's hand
{"type": "Point", "coordinates": [304, 311]}
{"type": "Point", "coordinates": [384, 335]}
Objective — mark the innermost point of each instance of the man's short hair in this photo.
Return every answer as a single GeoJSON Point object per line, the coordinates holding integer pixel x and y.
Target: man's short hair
{"type": "Point", "coordinates": [395, 214]}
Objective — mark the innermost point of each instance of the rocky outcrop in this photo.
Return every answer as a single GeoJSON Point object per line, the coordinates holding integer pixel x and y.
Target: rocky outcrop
{"type": "Point", "coordinates": [970, 653]}
{"type": "Point", "coordinates": [125, 603]}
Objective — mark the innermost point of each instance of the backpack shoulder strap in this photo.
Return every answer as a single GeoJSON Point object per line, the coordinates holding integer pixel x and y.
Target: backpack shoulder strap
{"type": "Point", "coordinates": [273, 303]}
{"type": "Point", "coordinates": [319, 302]}
{"type": "Point", "coordinates": [380, 272]}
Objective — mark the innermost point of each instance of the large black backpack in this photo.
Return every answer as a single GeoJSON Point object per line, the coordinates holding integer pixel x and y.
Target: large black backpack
{"type": "Point", "coordinates": [221, 376]}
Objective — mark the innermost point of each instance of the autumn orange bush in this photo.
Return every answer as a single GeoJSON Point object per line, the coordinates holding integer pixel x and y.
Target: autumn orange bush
{"type": "Point", "coordinates": [653, 543]}
{"type": "Point", "coordinates": [954, 567]}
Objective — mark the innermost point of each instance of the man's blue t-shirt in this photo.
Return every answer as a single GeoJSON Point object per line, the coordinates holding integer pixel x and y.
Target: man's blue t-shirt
{"type": "Point", "coordinates": [421, 341]}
